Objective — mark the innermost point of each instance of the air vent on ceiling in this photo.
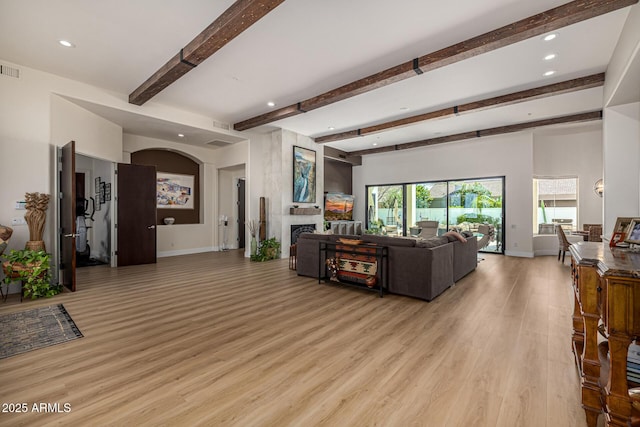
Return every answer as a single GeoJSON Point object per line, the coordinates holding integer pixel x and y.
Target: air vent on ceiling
{"type": "Point", "coordinates": [218, 143]}
{"type": "Point", "coordinates": [221, 125]}
{"type": "Point", "coordinates": [5, 70]}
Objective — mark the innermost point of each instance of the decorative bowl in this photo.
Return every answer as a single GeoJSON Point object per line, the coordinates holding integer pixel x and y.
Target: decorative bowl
{"type": "Point", "coordinates": [169, 220]}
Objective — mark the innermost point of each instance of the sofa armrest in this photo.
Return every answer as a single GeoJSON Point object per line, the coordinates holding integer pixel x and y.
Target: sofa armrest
{"type": "Point", "coordinates": [420, 272]}
{"type": "Point", "coordinates": [465, 257]}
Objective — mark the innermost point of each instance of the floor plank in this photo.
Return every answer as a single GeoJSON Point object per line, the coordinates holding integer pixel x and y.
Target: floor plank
{"type": "Point", "coordinates": [213, 339]}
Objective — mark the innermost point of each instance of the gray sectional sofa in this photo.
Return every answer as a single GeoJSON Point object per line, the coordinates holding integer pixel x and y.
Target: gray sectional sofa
{"type": "Point", "coordinates": [420, 268]}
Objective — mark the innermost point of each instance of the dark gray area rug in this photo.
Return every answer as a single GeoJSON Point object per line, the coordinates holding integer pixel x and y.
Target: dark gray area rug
{"type": "Point", "coordinates": [36, 328]}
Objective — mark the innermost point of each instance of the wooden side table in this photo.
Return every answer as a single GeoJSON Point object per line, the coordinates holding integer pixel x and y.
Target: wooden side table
{"type": "Point", "coordinates": [293, 253]}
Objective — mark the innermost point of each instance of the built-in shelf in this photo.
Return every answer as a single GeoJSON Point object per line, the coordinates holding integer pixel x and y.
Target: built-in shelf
{"type": "Point", "coordinates": [305, 211]}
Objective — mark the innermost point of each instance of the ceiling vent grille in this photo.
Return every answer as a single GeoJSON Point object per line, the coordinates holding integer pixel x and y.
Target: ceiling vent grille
{"type": "Point", "coordinates": [218, 143]}
{"type": "Point", "coordinates": [222, 125]}
{"type": "Point", "coordinates": [5, 70]}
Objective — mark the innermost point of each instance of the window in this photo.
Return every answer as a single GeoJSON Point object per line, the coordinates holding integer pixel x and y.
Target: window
{"type": "Point", "coordinates": [556, 201]}
{"type": "Point", "coordinates": [427, 208]}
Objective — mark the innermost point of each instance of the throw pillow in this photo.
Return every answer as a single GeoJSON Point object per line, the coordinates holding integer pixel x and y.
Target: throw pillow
{"type": "Point", "coordinates": [454, 235]}
{"type": "Point", "coordinates": [5, 232]}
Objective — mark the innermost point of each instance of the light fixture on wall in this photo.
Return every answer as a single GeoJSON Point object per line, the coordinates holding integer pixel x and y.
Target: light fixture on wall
{"type": "Point", "coordinates": [598, 187]}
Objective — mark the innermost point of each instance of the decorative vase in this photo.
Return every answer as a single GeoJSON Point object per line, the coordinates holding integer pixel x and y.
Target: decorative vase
{"type": "Point", "coordinates": [35, 245]}
{"type": "Point", "coordinates": [254, 245]}
{"type": "Point", "coordinates": [36, 205]}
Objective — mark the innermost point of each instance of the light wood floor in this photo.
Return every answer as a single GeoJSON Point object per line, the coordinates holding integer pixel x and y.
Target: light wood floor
{"type": "Point", "coordinates": [213, 339]}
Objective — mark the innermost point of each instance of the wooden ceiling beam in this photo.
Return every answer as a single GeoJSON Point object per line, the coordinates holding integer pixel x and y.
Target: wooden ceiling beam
{"type": "Point", "coordinates": [574, 118]}
{"type": "Point", "coordinates": [566, 86]}
{"type": "Point", "coordinates": [233, 21]}
{"type": "Point", "coordinates": [550, 20]}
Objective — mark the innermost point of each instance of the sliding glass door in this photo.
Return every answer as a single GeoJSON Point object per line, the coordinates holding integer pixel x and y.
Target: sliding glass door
{"type": "Point", "coordinates": [431, 208]}
{"type": "Point", "coordinates": [385, 209]}
{"type": "Point", "coordinates": [477, 202]}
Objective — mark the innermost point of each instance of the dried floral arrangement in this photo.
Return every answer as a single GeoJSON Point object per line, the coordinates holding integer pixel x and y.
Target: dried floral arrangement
{"type": "Point", "coordinates": [253, 227]}
{"type": "Point", "coordinates": [36, 205]}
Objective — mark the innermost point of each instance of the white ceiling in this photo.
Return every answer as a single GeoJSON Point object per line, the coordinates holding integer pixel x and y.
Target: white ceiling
{"type": "Point", "coordinates": [304, 48]}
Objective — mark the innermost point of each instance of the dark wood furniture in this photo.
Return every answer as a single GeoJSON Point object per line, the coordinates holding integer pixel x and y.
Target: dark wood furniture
{"type": "Point", "coordinates": [606, 284]}
{"type": "Point", "coordinates": [360, 253]}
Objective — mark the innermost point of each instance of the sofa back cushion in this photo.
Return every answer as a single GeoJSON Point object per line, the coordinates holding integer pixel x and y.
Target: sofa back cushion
{"type": "Point", "coordinates": [389, 241]}
{"type": "Point", "coordinates": [432, 242]}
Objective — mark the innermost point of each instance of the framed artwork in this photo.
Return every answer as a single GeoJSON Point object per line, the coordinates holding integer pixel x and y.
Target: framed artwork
{"type": "Point", "coordinates": [103, 190]}
{"type": "Point", "coordinates": [338, 206]}
{"type": "Point", "coordinates": [107, 192]}
{"type": "Point", "coordinates": [633, 232]}
{"type": "Point", "coordinates": [622, 223]}
{"type": "Point", "coordinates": [304, 175]}
{"type": "Point", "coordinates": [174, 191]}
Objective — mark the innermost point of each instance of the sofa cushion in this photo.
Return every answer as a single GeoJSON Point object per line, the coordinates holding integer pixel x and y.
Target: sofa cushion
{"type": "Point", "coordinates": [389, 241]}
{"type": "Point", "coordinates": [431, 242]}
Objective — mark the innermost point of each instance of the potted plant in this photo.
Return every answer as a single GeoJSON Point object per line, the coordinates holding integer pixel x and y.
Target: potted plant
{"type": "Point", "coordinates": [268, 249]}
{"type": "Point", "coordinates": [32, 268]}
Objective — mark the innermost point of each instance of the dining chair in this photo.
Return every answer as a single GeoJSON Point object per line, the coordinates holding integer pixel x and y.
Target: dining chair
{"type": "Point", "coordinates": [595, 232]}
{"type": "Point", "coordinates": [563, 243]}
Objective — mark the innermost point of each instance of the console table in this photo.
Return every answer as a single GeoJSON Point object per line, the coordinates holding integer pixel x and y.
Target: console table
{"type": "Point", "coordinates": [606, 285]}
{"type": "Point", "coordinates": [374, 256]}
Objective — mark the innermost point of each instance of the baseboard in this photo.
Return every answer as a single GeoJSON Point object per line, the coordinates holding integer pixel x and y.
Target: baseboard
{"type": "Point", "coordinates": [546, 252]}
{"type": "Point", "coordinates": [519, 254]}
{"type": "Point", "coordinates": [187, 251]}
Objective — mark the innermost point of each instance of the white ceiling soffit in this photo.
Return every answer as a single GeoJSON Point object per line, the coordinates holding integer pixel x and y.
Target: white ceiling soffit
{"type": "Point", "coordinates": [139, 124]}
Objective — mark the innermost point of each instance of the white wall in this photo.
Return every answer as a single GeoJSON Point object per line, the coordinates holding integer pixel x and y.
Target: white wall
{"type": "Point", "coordinates": [180, 239]}
{"type": "Point", "coordinates": [621, 163]}
{"type": "Point", "coordinates": [259, 147]}
{"type": "Point", "coordinates": [506, 155]}
{"type": "Point", "coordinates": [569, 152]}
{"type": "Point", "coordinates": [94, 135]}
{"type": "Point", "coordinates": [278, 185]}
{"type": "Point", "coordinates": [36, 115]}
{"type": "Point", "coordinates": [620, 70]}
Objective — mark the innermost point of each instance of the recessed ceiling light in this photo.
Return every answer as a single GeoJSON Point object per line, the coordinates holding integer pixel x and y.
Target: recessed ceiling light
{"type": "Point", "coordinates": [271, 104]}
{"type": "Point", "coordinates": [404, 108]}
{"type": "Point", "coordinates": [550, 57]}
{"type": "Point", "coordinates": [181, 135]}
{"type": "Point", "coordinates": [331, 128]}
{"type": "Point", "coordinates": [66, 43]}
{"type": "Point", "coordinates": [549, 73]}
{"type": "Point", "coordinates": [374, 144]}
{"type": "Point", "coordinates": [550, 37]}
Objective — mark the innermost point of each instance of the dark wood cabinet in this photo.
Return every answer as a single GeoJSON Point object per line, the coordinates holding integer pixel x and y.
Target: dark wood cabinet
{"type": "Point", "coordinates": [606, 284]}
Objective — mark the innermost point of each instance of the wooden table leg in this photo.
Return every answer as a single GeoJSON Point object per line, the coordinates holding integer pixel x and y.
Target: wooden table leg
{"type": "Point", "coordinates": [591, 390]}
{"type": "Point", "coordinates": [617, 392]}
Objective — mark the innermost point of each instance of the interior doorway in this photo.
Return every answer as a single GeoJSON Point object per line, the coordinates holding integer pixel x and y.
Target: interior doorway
{"type": "Point", "coordinates": [93, 211]}
{"type": "Point", "coordinates": [230, 216]}
{"type": "Point", "coordinates": [242, 218]}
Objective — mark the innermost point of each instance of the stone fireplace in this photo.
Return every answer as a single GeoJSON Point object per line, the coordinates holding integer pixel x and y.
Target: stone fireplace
{"type": "Point", "coordinates": [297, 229]}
